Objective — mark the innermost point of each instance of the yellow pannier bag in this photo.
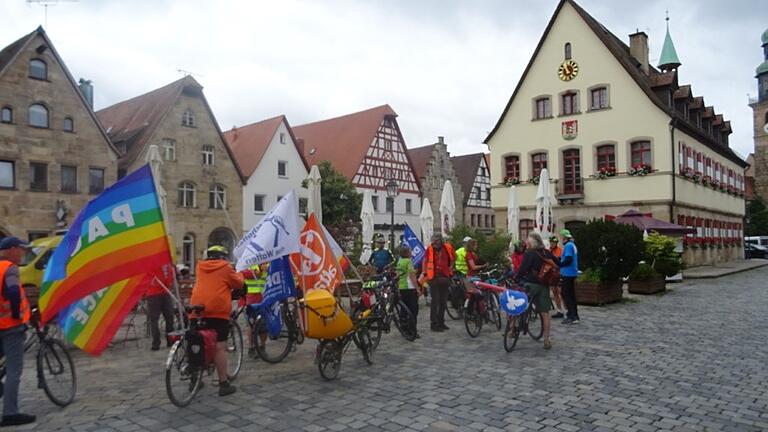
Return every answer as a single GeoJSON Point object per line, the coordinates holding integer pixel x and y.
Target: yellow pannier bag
{"type": "Point", "coordinates": [325, 318]}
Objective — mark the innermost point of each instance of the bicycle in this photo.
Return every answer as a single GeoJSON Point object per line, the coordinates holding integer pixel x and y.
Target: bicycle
{"type": "Point", "coordinates": [274, 344]}
{"type": "Point", "coordinates": [330, 351]}
{"type": "Point", "coordinates": [529, 322]}
{"type": "Point", "coordinates": [456, 293]}
{"type": "Point", "coordinates": [388, 308]}
{"type": "Point", "coordinates": [183, 378]}
{"type": "Point", "coordinates": [55, 369]}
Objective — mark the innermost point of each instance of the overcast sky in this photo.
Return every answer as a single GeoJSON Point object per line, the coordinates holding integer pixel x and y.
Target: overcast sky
{"type": "Point", "coordinates": [446, 67]}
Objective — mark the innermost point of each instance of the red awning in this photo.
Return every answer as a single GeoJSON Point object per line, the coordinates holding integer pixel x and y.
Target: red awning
{"type": "Point", "coordinates": [645, 222]}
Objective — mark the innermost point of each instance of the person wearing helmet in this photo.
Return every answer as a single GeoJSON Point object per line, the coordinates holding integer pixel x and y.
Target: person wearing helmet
{"type": "Point", "coordinates": [381, 257]}
{"type": "Point", "coordinates": [213, 289]}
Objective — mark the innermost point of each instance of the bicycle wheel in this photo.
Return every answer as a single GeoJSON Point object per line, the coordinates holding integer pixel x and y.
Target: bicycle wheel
{"type": "Point", "coordinates": [473, 321]}
{"type": "Point", "coordinates": [405, 321]}
{"type": "Point", "coordinates": [535, 324]}
{"type": "Point", "coordinates": [365, 343]}
{"type": "Point", "coordinates": [234, 349]}
{"type": "Point", "coordinates": [272, 349]}
{"type": "Point", "coordinates": [56, 372]}
{"type": "Point", "coordinates": [455, 305]}
{"type": "Point", "coordinates": [182, 380]}
{"type": "Point", "coordinates": [298, 331]}
{"type": "Point", "coordinates": [374, 325]}
{"type": "Point", "coordinates": [511, 334]}
{"type": "Point", "coordinates": [329, 359]}
{"type": "Point", "coordinates": [493, 310]}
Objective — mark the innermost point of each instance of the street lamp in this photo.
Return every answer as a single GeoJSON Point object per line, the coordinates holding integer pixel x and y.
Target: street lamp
{"type": "Point", "coordinates": [391, 194]}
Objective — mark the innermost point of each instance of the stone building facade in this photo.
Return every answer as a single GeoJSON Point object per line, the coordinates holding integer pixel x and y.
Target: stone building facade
{"type": "Point", "coordinates": [202, 181]}
{"type": "Point", "coordinates": [433, 167]}
{"type": "Point", "coordinates": [759, 107]}
{"type": "Point", "coordinates": [54, 155]}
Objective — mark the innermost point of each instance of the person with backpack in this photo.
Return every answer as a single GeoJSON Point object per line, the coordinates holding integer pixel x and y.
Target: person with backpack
{"type": "Point", "coordinates": [537, 272]}
{"type": "Point", "coordinates": [569, 269]}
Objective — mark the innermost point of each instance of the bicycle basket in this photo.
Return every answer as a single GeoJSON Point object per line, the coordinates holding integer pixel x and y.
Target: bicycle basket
{"type": "Point", "coordinates": [325, 319]}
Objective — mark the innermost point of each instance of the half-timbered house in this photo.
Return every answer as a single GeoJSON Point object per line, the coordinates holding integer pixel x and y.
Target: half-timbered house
{"type": "Point", "coordinates": [369, 149]}
{"type": "Point", "coordinates": [475, 180]}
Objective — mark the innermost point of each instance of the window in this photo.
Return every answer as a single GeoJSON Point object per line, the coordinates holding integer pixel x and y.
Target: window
{"type": "Point", "coordinates": [606, 157]}
{"type": "Point", "coordinates": [208, 155]}
{"type": "Point", "coordinates": [543, 108]}
{"type": "Point", "coordinates": [526, 227]}
{"type": "Point", "coordinates": [472, 220]}
{"type": "Point", "coordinates": [641, 153]}
{"type": "Point", "coordinates": [38, 69]}
{"type": "Point", "coordinates": [282, 169]}
{"type": "Point", "coordinates": [487, 221]}
{"type": "Point", "coordinates": [569, 103]}
{"type": "Point", "coordinates": [388, 145]}
{"type": "Point", "coordinates": [188, 119]}
{"type": "Point", "coordinates": [538, 163]}
{"type": "Point", "coordinates": [408, 208]}
{"type": "Point", "coordinates": [390, 204]}
{"type": "Point", "coordinates": [34, 235]}
{"type": "Point", "coordinates": [375, 202]}
{"type": "Point", "coordinates": [567, 50]}
{"type": "Point", "coordinates": [689, 157]}
{"type": "Point", "coordinates": [96, 180]}
{"type": "Point", "coordinates": [717, 171]}
{"type": "Point", "coordinates": [681, 157]}
{"type": "Point", "coordinates": [482, 171]}
{"type": "Point", "coordinates": [598, 98]}
{"type": "Point", "coordinates": [487, 194]}
{"type": "Point", "coordinates": [69, 125]}
{"type": "Point", "coordinates": [188, 251]}
{"type": "Point", "coordinates": [258, 203]}
{"type": "Point", "coordinates": [68, 179]}
{"type": "Point", "coordinates": [38, 116]}
{"type": "Point", "coordinates": [6, 115]}
{"type": "Point", "coordinates": [282, 137]}
{"type": "Point", "coordinates": [493, 221]}
{"type": "Point", "coordinates": [7, 174]}
{"type": "Point", "coordinates": [303, 206]}
{"type": "Point", "coordinates": [217, 197]}
{"type": "Point", "coordinates": [512, 167]}
{"type": "Point", "coordinates": [168, 147]}
{"type": "Point", "coordinates": [708, 167]}
{"type": "Point", "coordinates": [571, 171]}
{"type": "Point", "coordinates": [187, 194]}
{"type": "Point", "coordinates": [38, 176]}
{"type": "Point", "coordinates": [699, 163]}
{"type": "Point", "coordinates": [478, 193]}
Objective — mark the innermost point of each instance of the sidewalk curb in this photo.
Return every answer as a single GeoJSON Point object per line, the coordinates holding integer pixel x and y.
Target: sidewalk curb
{"type": "Point", "coordinates": [725, 272]}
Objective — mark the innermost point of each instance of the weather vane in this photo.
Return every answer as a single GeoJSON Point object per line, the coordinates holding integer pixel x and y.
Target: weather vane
{"type": "Point", "coordinates": [186, 72]}
{"type": "Point", "coordinates": [46, 3]}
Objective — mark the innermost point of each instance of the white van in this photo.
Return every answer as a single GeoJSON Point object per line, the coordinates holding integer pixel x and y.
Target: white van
{"type": "Point", "coordinates": [757, 240]}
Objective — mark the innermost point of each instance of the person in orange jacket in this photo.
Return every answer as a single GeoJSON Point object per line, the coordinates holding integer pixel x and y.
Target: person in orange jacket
{"type": "Point", "coordinates": [438, 269]}
{"type": "Point", "coordinates": [213, 289]}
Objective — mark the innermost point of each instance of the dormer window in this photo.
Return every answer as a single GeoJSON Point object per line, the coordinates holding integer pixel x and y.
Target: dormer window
{"type": "Point", "coordinates": [188, 119]}
{"type": "Point", "coordinates": [38, 69]}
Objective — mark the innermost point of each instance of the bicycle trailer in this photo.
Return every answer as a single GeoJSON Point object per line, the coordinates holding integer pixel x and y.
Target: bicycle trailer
{"type": "Point", "coordinates": [325, 319]}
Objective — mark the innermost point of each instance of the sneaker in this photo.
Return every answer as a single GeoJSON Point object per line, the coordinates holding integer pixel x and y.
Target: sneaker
{"type": "Point", "coordinates": [17, 419]}
{"type": "Point", "coordinates": [567, 321]}
{"type": "Point", "coordinates": [444, 327]}
{"type": "Point", "coordinates": [558, 315]}
{"type": "Point", "coordinates": [155, 348]}
{"type": "Point", "coordinates": [226, 389]}
{"type": "Point", "coordinates": [575, 321]}
{"type": "Point", "coordinates": [418, 336]}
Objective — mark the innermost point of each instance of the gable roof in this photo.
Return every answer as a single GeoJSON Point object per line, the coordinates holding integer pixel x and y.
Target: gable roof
{"type": "Point", "coordinates": [344, 141]}
{"type": "Point", "coordinates": [466, 170]}
{"type": "Point", "coordinates": [131, 123]}
{"type": "Point", "coordinates": [620, 51]}
{"type": "Point", "coordinates": [9, 54]}
{"type": "Point", "coordinates": [249, 143]}
{"type": "Point", "coordinates": [420, 157]}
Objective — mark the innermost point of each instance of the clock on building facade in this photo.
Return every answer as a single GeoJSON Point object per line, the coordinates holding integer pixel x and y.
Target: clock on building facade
{"type": "Point", "coordinates": [568, 70]}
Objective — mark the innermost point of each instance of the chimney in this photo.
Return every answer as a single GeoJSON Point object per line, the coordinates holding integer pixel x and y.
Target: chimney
{"type": "Point", "coordinates": [86, 88]}
{"type": "Point", "coordinates": [440, 140]}
{"type": "Point", "coordinates": [638, 48]}
{"type": "Point", "coordinates": [300, 145]}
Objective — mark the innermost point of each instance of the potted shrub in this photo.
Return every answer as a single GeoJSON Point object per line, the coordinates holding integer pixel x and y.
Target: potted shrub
{"type": "Point", "coordinates": [645, 280]}
{"type": "Point", "coordinates": [608, 252]}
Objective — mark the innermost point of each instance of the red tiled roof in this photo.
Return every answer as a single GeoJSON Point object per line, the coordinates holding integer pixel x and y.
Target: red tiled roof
{"type": "Point", "coordinates": [466, 171]}
{"type": "Point", "coordinates": [660, 79]}
{"type": "Point", "coordinates": [698, 102]}
{"type": "Point", "coordinates": [249, 143]}
{"type": "Point", "coordinates": [343, 140]}
{"type": "Point", "coordinates": [708, 112]}
{"type": "Point", "coordinates": [683, 92]}
{"type": "Point", "coordinates": [420, 157]}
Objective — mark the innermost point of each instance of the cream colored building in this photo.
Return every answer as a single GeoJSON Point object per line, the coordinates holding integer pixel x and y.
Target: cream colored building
{"type": "Point", "coordinates": [586, 102]}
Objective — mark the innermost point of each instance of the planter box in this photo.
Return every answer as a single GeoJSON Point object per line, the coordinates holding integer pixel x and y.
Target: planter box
{"type": "Point", "coordinates": [651, 286]}
{"type": "Point", "coordinates": [598, 293]}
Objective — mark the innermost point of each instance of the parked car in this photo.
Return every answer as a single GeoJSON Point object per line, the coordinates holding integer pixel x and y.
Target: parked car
{"type": "Point", "coordinates": [755, 251]}
{"type": "Point", "coordinates": [33, 265]}
{"type": "Point", "coordinates": [758, 240]}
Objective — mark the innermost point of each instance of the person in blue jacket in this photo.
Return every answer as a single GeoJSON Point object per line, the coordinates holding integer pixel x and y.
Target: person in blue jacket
{"type": "Point", "coordinates": [569, 269]}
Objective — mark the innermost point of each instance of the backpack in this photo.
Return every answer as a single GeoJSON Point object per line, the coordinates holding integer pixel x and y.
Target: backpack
{"type": "Point", "coordinates": [549, 273]}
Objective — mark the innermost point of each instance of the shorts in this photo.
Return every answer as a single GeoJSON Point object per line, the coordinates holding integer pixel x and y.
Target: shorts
{"type": "Point", "coordinates": [539, 296]}
{"type": "Point", "coordinates": [220, 325]}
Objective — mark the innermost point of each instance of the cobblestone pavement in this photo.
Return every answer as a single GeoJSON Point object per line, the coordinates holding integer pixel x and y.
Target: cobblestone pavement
{"type": "Point", "coordinates": [692, 359]}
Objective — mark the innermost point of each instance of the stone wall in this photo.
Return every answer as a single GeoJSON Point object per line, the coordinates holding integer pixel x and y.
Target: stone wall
{"type": "Point", "coordinates": [440, 169]}
{"type": "Point", "coordinates": [760, 112]}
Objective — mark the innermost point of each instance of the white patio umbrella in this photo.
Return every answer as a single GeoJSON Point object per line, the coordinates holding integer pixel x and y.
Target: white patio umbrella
{"type": "Point", "coordinates": [447, 209]}
{"type": "Point", "coordinates": [543, 206]}
{"type": "Point", "coordinates": [366, 216]}
{"type": "Point", "coordinates": [513, 214]}
{"type": "Point", "coordinates": [314, 202]}
{"type": "Point", "coordinates": [155, 163]}
{"type": "Point", "coordinates": [426, 220]}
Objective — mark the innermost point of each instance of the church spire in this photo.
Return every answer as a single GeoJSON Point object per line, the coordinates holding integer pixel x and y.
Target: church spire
{"type": "Point", "coordinates": [668, 60]}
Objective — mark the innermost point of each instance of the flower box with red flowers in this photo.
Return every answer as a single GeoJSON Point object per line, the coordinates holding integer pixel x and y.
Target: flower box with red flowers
{"type": "Point", "coordinates": [688, 173]}
{"type": "Point", "coordinates": [639, 170]}
{"type": "Point", "coordinates": [706, 180]}
{"type": "Point", "coordinates": [604, 173]}
{"type": "Point", "coordinates": [511, 181]}
{"type": "Point", "coordinates": [715, 184]}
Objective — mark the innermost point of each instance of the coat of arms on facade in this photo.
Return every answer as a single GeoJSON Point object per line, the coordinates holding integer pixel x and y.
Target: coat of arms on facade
{"type": "Point", "coordinates": [570, 129]}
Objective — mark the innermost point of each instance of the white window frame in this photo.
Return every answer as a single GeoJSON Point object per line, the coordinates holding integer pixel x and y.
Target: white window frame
{"type": "Point", "coordinates": [168, 146]}
{"type": "Point", "coordinates": [188, 119]}
{"type": "Point", "coordinates": [184, 188]}
{"type": "Point", "coordinates": [220, 192]}
{"type": "Point", "coordinates": [208, 155]}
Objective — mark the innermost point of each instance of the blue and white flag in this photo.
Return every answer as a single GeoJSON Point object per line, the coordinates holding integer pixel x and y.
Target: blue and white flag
{"type": "Point", "coordinates": [280, 283]}
{"type": "Point", "coordinates": [276, 235]}
{"type": "Point", "coordinates": [417, 249]}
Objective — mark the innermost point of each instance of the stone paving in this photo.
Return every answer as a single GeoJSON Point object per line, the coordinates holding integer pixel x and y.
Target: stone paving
{"type": "Point", "coordinates": [692, 359]}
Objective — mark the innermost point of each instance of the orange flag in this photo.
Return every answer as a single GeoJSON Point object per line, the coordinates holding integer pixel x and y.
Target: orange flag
{"type": "Point", "coordinates": [315, 264]}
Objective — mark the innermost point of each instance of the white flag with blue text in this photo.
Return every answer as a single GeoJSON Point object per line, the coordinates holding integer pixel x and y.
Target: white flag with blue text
{"type": "Point", "coordinates": [277, 234]}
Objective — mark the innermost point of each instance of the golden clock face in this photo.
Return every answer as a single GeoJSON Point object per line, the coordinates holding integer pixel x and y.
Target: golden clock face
{"type": "Point", "coordinates": [568, 70]}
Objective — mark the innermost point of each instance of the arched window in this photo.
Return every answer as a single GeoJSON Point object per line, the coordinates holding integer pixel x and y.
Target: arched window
{"type": "Point", "coordinates": [217, 197]}
{"type": "Point", "coordinates": [38, 116]}
{"type": "Point", "coordinates": [6, 115]}
{"type": "Point", "coordinates": [188, 254]}
{"type": "Point", "coordinates": [538, 163]}
{"type": "Point", "coordinates": [567, 50]}
{"type": "Point", "coordinates": [187, 194]}
{"type": "Point", "coordinates": [526, 227]}
{"type": "Point", "coordinates": [188, 119]}
{"type": "Point", "coordinates": [641, 153]}
{"type": "Point", "coordinates": [69, 125]}
{"type": "Point", "coordinates": [606, 157]}
{"type": "Point", "coordinates": [38, 69]}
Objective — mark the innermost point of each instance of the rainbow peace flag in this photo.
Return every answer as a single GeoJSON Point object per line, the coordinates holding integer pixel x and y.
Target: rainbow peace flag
{"type": "Point", "coordinates": [91, 323]}
{"type": "Point", "coordinates": [118, 235]}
